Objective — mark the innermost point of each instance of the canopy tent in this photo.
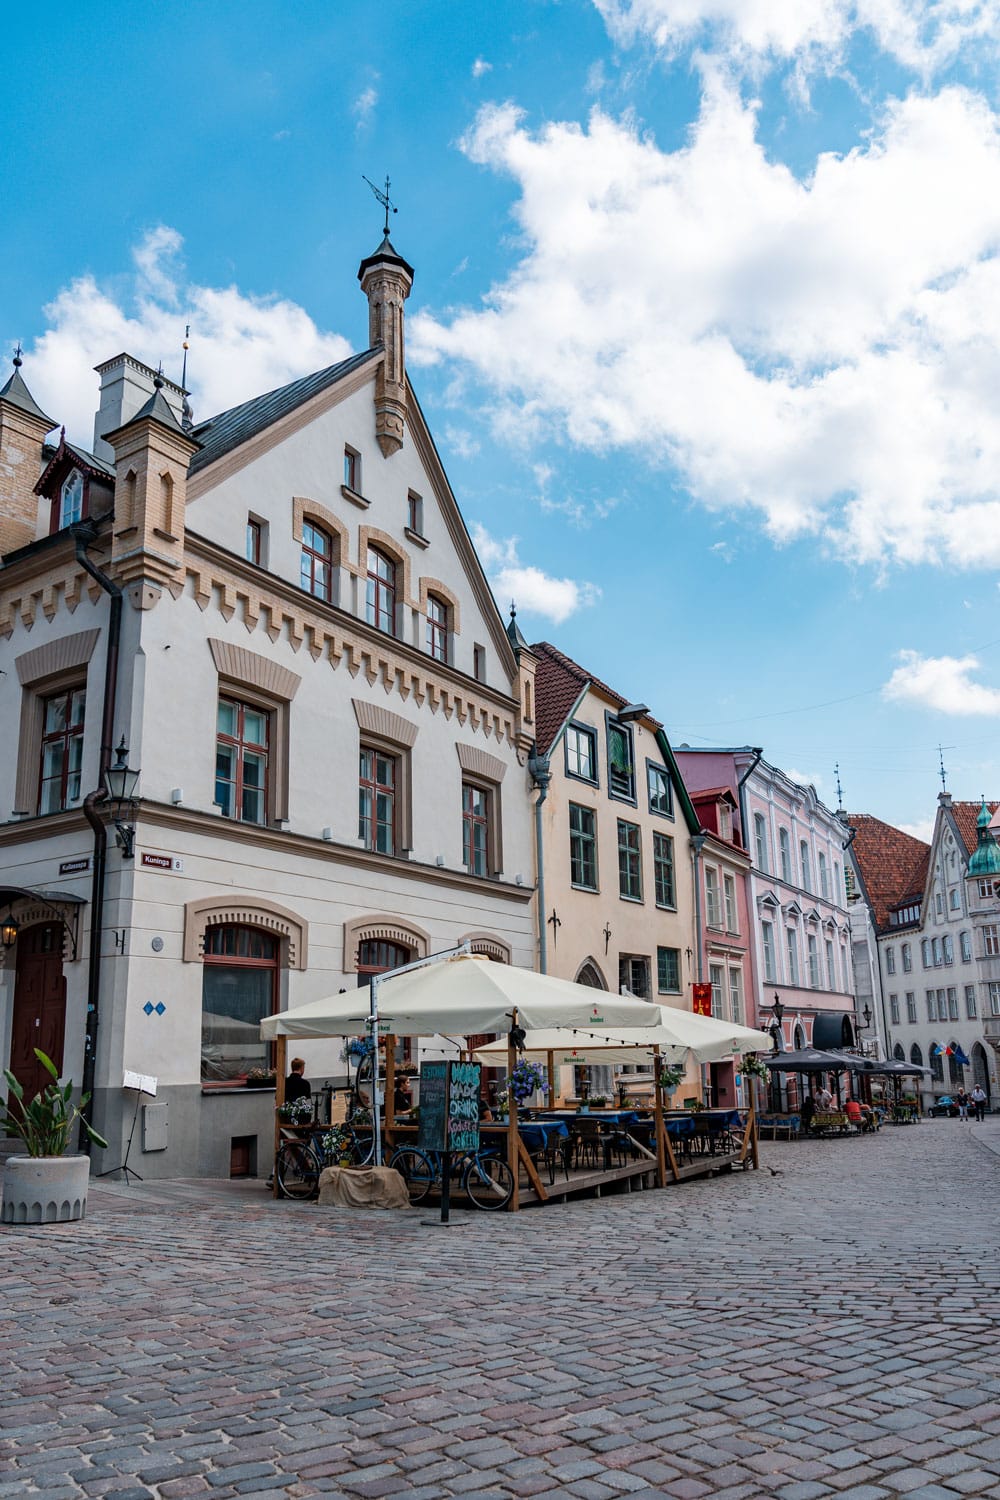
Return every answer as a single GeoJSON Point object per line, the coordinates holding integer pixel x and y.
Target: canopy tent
{"type": "Point", "coordinates": [807, 1060]}
{"type": "Point", "coordinates": [706, 1040]}
{"type": "Point", "coordinates": [463, 994]}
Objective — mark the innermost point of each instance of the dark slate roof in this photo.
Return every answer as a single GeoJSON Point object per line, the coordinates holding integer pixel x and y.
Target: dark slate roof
{"type": "Point", "coordinates": [385, 252]}
{"type": "Point", "coordinates": [893, 864]}
{"type": "Point", "coordinates": [219, 435]}
{"type": "Point", "coordinates": [559, 682]}
{"type": "Point", "coordinates": [17, 394]}
{"type": "Point", "coordinates": [158, 408]}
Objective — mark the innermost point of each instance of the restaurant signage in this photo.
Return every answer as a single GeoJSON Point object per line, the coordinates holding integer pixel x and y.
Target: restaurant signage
{"type": "Point", "coordinates": [77, 866]}
{"type": "Point", "coordinates": [702, 999]}
{"type": "Point", "coordinates": [449, 1106]}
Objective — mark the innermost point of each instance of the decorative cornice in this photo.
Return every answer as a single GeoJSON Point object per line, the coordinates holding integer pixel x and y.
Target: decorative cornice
{"type": "Point", "coordinates": [478, 763]}
{"type": "Point", "coordinates": [373, 718]}
{"type": "Point", "coordinates": [56, 656]}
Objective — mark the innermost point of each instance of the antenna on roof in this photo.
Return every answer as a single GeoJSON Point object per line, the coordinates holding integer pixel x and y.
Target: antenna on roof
{"type": "Point", "coordinates": [840, 789]}
{"type": "Point", "coordinates": [17, 356]}
{"type": "Point", "coordinates": [184, 366]}
{"type": "Point", "coordinates": [384, 199]}
{"type": "Point", "coordinates": [942, 773]}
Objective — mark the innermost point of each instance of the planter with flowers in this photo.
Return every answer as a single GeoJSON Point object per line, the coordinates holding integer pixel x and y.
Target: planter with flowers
{"type": "Point", "coordinates": [48, 1185]}
{"type": "Point", "coordinates": [669, 1077]}
{"type": "Point", "coordinates": [526, 1078]}
{"type": "Point", "coordinates": [296, 1111]}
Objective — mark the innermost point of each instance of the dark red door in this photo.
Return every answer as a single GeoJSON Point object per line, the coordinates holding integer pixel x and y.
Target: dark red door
{"type": "Point", "coordinates": [39, 1007]}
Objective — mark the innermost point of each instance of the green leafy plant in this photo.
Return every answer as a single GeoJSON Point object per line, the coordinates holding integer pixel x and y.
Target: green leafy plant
{"type": "Point", "coordinates": [45, 1123]}
{"type": "Point", "coordinates": [296, 1111]}
{"type": "Point", "coordinates": [669, 1077]}
{"type": "Point", "coordinates": [753, 1067]}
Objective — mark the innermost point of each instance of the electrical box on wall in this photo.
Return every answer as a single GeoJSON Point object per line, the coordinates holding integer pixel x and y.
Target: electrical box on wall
{"type": "Point", "coordinates": [154, 1127]}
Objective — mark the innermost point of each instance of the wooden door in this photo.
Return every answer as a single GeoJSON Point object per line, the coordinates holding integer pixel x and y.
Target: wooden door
{"type": "Point", "coordinates": [39, 1006]}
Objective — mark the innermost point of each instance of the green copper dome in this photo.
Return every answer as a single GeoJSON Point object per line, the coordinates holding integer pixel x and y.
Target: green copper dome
{"type": "Point", "coordinates": [986, 859]}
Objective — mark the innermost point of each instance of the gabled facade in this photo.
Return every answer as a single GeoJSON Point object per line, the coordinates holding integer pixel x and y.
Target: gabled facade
{"type": "Point", "coordinates": [801, 931]}
{"type": "Point", "coordinates": [617, 825]}
{"type": "Point", "coordinates": [936, 912]}
{"type": "Point", "coordinates": [282, 614]}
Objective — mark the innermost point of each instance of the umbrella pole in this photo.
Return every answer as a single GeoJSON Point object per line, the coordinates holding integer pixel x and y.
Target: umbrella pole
{"type": "Point", "coordinates": [552, 1081]}
{"type": "Point", "coordinates": [390, 1091]}
{"type": "Point", "coordinates": [512, 1138]}
{"type": "Point", "coordinates": [661, 1153]}
{"type": "Point", "coordinates": [376, 1080]}
{"type": "Point", "coordinates": [280, 1053]}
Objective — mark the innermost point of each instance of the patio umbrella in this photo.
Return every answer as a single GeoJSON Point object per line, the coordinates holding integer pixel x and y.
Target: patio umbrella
{"type": "Point", "coordinates": [461, 994]}
{"type": "Point", "coordinates": [710, 1039]}
{"type": "Point", "coordinates": [583, 1048]}
{"type": "Point", "coordinates": [896, 1067]}
{"type": "Point", "coordinates": [806, 1060]}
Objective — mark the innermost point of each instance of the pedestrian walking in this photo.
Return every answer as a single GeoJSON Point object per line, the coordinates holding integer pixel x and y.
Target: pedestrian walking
{"type": "Point", "coordinates": [979, 1102]}
{"type": "Point", "coordinates": [962, 1100]}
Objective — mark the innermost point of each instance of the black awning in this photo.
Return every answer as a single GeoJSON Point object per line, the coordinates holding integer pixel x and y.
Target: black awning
{"type": "Point", "coordinates": [832, 1028]}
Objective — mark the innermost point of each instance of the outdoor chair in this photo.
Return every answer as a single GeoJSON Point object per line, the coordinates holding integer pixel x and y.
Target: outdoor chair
{"type": "Point", "coordinates": [589, 1144]}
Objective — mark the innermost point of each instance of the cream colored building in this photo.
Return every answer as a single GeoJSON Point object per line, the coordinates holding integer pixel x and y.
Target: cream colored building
{"type": "Point", "coordinates": [324, 706]}
{"type": "Point", "coordinates": [617, 880]}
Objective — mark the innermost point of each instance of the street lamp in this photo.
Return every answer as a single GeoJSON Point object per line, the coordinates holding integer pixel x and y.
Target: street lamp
{"type": "Point", "coordinates": [120, 781]}
{"type": "Point", "coordinates": [778, 1012]}
{"type": "Point", "coordinates": [868, 1017]}
{"type": "Point", "coordinates": [8, 930]}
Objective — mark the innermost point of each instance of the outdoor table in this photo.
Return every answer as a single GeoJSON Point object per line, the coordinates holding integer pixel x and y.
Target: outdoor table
{"type": "Point", "coordinates": [831, 1120]}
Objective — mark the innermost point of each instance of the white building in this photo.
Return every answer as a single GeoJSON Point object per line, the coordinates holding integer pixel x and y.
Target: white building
{"type": "Point", "coordinates": [310, 672]}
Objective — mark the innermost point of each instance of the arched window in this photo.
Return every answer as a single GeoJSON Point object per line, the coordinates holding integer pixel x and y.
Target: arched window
{"type": "Point", "coordinates": [380, 603]}
{"type": "Point", "coordinates": [590, 975]}
{"type": "Point", "coordinates": [898, 1054]}
{"type": "Point", "coordinates": [760, 842]}
{"type": "Point", "coordinates": [316, 572]}
{"type": "Point", "coordinates": [800, 1039]}
{"type": "Point", "coordinates": [375, 956]}
{"type": "Point", "coordinates": [71, 500]}
{"type": "Point", "coordinates": [785, 854]}
{"type": "Point", "coordinates": [956, 1071]}
{"type": "Point", "coordinates": [239, 988]}
{"type": "Point", "coordinates": [916, 1056]}
{"type": "Point", "coordinates": [937, 1062]}
{"type": "Point", "coordinates": [437, 628]}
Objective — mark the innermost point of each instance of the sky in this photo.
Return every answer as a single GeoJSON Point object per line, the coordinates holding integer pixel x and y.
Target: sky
{"type": "Point", "coordinates": [706, 316]}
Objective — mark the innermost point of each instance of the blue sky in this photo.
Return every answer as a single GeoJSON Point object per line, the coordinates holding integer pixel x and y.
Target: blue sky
{"type": "Point", "coordinates": [706, 318]}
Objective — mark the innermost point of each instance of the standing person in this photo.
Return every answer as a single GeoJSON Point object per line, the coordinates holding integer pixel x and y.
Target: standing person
{"type": "Point", "coordinates": [824, 1100]}
{"type": "Point", "coordinates": [808, 1110]}
{"type": "Point", "coordinates": [297, 1086]}
{"type": "Point", "coordinates": [978, 1097]}
{"type": "Point", "coordinates": [962, 1100]}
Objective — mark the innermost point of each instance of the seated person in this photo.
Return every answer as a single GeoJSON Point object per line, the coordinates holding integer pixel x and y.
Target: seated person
{"type": "Point", "coordinates": [852, 1109]}
{"type": "Point", "coordinates": [297, 1086]}
{"type": "Point", "coordinates": [485, 1112]}
{"type": "Point", "coordinates": [402, 1095]}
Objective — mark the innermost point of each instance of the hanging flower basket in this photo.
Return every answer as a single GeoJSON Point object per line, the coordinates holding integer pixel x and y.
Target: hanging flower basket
{"type": "Point", "coordinates": [753, 1067]}
{"type": "Point", "coordinates": [526, 1079]}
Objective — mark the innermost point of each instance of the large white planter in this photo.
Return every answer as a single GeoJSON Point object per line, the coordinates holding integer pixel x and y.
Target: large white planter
{"type": "Point", "coordinates": [44, 1189]}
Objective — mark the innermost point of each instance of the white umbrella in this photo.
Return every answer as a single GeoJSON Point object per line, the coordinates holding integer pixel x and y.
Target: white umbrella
{"type": "Point", "coordinates": [711, 1040]}
{"type": "Point", "coordinates": [581, 1047]}
{"type": "Point", "coordinates": [460, 995]}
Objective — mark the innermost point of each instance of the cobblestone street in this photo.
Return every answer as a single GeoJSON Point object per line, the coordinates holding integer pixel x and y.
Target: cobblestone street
{"type": "Point", "coordinates": [829, 1330]}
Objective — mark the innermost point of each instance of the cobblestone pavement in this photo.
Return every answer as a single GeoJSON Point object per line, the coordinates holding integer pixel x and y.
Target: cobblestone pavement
{"type": "Point", "coordinates": [827, 1331]}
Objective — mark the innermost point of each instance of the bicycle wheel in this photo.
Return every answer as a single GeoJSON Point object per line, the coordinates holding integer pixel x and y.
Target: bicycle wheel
{"type": "Point", "coordinates": [416, 1169]}
{"type": "Point", "coordinates": [364, 1082]}
{"type": "Point", "coordinates": [362, 1146]}
{"type": "Point", "coordinates": [488, 1181]}
{"type": "Point", "coordinates": [297, 1171]}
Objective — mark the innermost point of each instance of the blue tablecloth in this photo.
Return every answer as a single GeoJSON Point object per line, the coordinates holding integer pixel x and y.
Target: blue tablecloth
{"type": "Point", "coordinates": [539, 1135]}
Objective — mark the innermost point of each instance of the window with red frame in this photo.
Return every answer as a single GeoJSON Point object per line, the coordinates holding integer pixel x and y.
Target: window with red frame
{"type": "Point", "coordinates": [475, 829]}
{"type": "Point", "coordinates": [317, 557]}
{"type": "Point", "coordinates": [381, 592]}
{"type": "Point", "coordinates": [377, 801]}
{"type": "Point", "coordinates": [239, 988]}
{"type": "Point", "coordinates": [62, 750]}
{"type": "Point", "coordinates": [437, 628]}
{"type": "Point", "coordinates": [241, 756]}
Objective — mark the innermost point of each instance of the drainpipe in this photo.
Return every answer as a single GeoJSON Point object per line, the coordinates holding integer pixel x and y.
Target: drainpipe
{"type": "Point", "coordinates": [84, 535]}
{"type": "Point", "coordinates": [757, 757]}
{"type": "Point", "coordinates": [541, 774]}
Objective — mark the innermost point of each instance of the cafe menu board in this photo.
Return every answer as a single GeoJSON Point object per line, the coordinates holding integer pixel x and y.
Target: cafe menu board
{"type": "Point", "coordinates": [449, 1106]}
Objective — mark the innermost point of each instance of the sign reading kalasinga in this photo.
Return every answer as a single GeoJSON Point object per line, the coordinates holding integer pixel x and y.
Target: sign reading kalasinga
{"type": "Point", "coordinates": [449, 1106]}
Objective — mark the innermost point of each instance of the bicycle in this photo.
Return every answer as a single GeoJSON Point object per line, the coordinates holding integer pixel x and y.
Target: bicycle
{"type": "Point", "coordinates": [299, 1163]}
{"type": "Point", "coordinates": [484, 1176]}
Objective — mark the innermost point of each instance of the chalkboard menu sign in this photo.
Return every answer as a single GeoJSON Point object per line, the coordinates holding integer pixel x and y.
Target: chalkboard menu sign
{"type": "Point", "coordinates": [449, 1106]}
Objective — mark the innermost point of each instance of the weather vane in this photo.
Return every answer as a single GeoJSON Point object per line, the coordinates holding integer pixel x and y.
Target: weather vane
{"type": "Point", "coordinates": [384, 199]}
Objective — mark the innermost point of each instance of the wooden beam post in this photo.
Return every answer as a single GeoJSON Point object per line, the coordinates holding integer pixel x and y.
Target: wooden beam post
{"type": "Point", "coordinates": [390, 1092]}
{"type": "Point", "coordinates": [280, 1061]}
{"type": "Point", "coordinates": [532, 1171]}
{"type": "Point", "coordinates": [513, 1139]}
{"type": "Point", "coordinates": [552, 1081]}
{"type": "Point", "coordinates": [661, 1128]}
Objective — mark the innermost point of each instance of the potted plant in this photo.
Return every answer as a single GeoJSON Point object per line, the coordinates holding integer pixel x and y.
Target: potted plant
{"type": "Point", "coordinates": [48, 1186]}
{"type": "Point", "coordinates": [296, 1111]}
{"type": "Point", "coordinates": [261, 1078]}
{"type": "Point", "coordinates": [597, 1101]}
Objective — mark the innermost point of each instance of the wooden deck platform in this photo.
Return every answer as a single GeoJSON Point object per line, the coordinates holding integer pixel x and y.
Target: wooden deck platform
{"type": "Point", "coordinates": [633, 1176]}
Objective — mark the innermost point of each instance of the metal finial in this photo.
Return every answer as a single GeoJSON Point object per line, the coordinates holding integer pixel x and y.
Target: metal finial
{"type": "Point", "coordinates": [17, 356]}
{"type": "Point", "coordinates": [513, 611]}
{"type": "Point", "coordinates": [840, 789]}
{"type": "Point", "coordinates": [184, 346]}
{"type": "Point", "coordinates": [384, 199]}
{"type": "Point", "coordinates": [158, 377]}
{"type": "Point", "coordinates": [942, 772]}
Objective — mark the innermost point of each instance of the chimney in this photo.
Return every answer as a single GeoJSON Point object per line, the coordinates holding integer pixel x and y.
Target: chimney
{"type": "Point", "coordinates": [386, 280]}
{"type": "Point", "coordinates": [23, 426]}
{"type": "Point", "coordinates": [126, 386]}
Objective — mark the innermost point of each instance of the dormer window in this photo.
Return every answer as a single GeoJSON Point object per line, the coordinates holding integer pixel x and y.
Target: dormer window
{"type": "Point", "coordinates": [71, 500]}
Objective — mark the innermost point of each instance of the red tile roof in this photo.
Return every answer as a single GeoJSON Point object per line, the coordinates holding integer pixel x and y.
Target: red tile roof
{"type": "Point", "coordinates": [966, 814]}
{"type": "Point", "coordinates": [559, 682]}
{"type": "Point", "coordinates": [893, 864]}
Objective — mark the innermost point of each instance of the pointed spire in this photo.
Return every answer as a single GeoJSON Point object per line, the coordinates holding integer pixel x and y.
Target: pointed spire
{"type": "Point", "coordinates": [513, 631]}
{"type": "Point", "coordinates": [16, 393]}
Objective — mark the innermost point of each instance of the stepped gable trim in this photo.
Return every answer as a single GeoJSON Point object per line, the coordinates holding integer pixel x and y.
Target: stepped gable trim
{"type": "Point", "coordinates": [240, 665]}
{"type": "Point", "coordinates": [63, 655]}
{"type": "Point", "coordinates": [382, 929]}
{"type": "Point", "coordinates": [374, 719]}
{"type": "Point", "coordinates": [244, 911]}
{"type": "Point", "coordinates": [478, 763]}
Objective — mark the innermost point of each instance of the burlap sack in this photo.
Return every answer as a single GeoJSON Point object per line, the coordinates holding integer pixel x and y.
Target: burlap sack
{"type": "Point", "coordinates": [362, 1187]}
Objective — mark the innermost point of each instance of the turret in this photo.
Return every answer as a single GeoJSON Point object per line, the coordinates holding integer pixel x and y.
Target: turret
{"type": "Point", "coordinates": [386, 280]}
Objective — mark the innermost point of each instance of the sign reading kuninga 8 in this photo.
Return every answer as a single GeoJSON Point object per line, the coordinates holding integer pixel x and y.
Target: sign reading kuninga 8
{"type": "Point", "coordinates": [449, 1106]}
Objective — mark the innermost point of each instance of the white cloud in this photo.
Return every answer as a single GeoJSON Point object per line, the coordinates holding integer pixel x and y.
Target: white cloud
{"type": "Point", "coordinates": [481, 67]}
{"type": "Point", "coordinates": [806, 778]}
{"type": "Point", "coordinates": [364, 107]}
{"type": "Point", "coordinates": [533, 591]}
{"type": "Point", "coordinates": [943, 683]}
{"type": "Point", "coordinates": [823, 352]}
{"type": "Point", "coordinates": [922, 35]}
{"type": "Point", "coordinates": [922, 830]}
{"type": "Point", "coordinates": [461, 441]}
{"type": "Point", "coordinates": [240, 345]}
